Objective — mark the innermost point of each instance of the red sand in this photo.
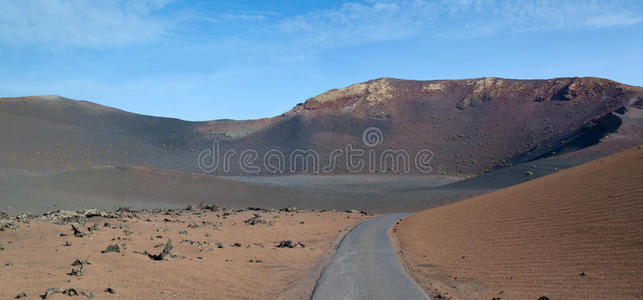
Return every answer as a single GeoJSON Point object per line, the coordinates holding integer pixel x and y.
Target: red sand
{"type": "Point", "coordinates": [537, 238]}
{"type": "Point", "coordinates": [35, 258]}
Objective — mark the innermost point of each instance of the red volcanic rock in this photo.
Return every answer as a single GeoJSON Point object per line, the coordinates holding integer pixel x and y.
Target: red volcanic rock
{"type": "Point", "coordinates": [470, 126]}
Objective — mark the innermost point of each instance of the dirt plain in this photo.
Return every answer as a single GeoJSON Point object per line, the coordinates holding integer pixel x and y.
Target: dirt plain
{"type": "Point", "coordinates": [204, 263]}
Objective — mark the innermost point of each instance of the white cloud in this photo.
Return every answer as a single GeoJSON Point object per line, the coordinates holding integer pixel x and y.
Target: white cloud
{"type": "Point", "coordinates": [117, 23]}
{"type": "Point", "coordinates": [81, 23]}
{"type": "Point", "coordinates": [382, 20]}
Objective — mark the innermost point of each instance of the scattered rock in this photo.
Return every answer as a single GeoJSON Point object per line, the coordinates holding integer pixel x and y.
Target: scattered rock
{"type": "Point", "coordinates": [529, 173]}
{"type": "Point", "coordinates": [79, 262]}
{"type": "Point", "coordinates": [51, 291]}
{"type": "Point", "coordinates": [3, 215]}
{"type": "Point", "coordinates": [7, 224]}
{"type": "Point", "coordinates": [64, 217]}
{"type": "Point", "coordinates": [167, 251]}
{"type": "Point", "coordinates": [289, 209]}
{"type": "Point", "coordinates": [67, 244]}
{"type": "Point", "coordinates": [21, 295]}
{"type": "Point", "coordinates": [112, 248]}
{"type": "Point", "coordinates": [286, 244]}
{"type": "Point", "coordinates": [92, 212]}
{"type": "Point", "coordinates": [94, 227]}
{"type": "Point", "coordinates": [183, 232]}
{"type": "Point", "coordinates": [77, 271]}
{"type": "Point", "coordinates": [69, 292]}
{"type": "Point", "coordinates": [256, 219]}
{"type": "Point", "coordinates": [236, 245]}
{"type": "Point", "coordinates": [77, 232]}
{"type": "Point", "coordinates": [25, 218]}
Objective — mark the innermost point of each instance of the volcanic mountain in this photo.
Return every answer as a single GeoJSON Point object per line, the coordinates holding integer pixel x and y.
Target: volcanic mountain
{"type": "Point", "coordinates": [467, 126]}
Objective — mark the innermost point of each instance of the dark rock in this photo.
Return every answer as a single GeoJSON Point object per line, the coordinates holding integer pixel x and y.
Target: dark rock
{"type": "Point", "coordinates": [51, 291]}
{"type": "Point", "coordinates": [67, 244]}
{"type": "Point", "coordinates": [112, 248]}
{"type": "Point", "coordinates": [21, 295]}
{"type": "Point", "coordinates": [256, 219]}
{"type": "Point", "coordinates": [79, 262]}
{"type": "Point", "coordinates": [236, 245]}
{"type": "Point", "coordinates": [64, 217]}
{"type": "Point", "coordinates": [77, 271]}
{"type": "Point", "coordinates": [25, 218]}
{"type": "Point", "coordinates": [94, 227]}
{"type": "Point", "coordinates": [167, 251]}
{"type": "Point", "coordinates": [7, 224]}
{"type": "Point", "coordinates": [544, 298]}
{"type": "Point", "coordinates": [110, 290]}
{"type": "Point", "coordinates": [286, 244]}
{"type": "Point", "coordinates": [92, 212]}
{"type": "Point", "coordinates": [77, 232]}
{"type": "Point", "coordinates": [289, 209]}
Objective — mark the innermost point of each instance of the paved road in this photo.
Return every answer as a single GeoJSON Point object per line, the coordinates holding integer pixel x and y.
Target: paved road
{"type": "Point", "coordinates": [365, 266]}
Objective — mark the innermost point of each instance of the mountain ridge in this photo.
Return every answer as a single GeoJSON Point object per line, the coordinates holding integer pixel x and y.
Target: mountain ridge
{"type": "Point", "coordinates": [471, 125]}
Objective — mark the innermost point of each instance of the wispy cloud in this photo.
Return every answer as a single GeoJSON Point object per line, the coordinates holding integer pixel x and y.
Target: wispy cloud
{"type": "Point", "coordinates": [383, 20]}
{"type": "Point", "coordinates": [117, 23]}
{"type": "Point", "coordinates": [73, 23]}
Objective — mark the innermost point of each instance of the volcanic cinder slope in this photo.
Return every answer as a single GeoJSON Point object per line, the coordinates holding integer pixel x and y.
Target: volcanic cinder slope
{"type": "Point", "coordinates": [471, 126]}
{"type": "Point", "coordinates": [576, 234]}
{"type": "Point", "coordinates": [62, 153]}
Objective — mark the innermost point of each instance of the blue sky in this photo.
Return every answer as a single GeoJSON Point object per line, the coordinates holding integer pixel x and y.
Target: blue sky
{"type": "Point", "coordinates": [201, 60]}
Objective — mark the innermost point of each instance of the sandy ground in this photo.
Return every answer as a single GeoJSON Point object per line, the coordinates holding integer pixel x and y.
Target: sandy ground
{"type": "Point", "coordinates": [35, 257]}
{"type": "Point", "coordinates": [575, 234]}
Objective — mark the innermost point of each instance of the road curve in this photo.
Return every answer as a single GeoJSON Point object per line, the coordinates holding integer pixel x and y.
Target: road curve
{"type": "Point", "coordinates": [365, 266]}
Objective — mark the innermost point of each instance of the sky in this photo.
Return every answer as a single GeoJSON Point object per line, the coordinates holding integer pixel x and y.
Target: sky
{"type": "Point", "coordinates": [204, 60]}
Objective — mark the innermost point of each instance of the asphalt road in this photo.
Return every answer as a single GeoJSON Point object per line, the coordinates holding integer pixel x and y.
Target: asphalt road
{"type": "Point", "coordinates": [365, 266]}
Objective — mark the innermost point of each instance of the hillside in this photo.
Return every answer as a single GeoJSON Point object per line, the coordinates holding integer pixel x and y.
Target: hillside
{"type": "Point", "coordinates": [470, 127]}
{"type": "Point", "coordinates": [574, 234]}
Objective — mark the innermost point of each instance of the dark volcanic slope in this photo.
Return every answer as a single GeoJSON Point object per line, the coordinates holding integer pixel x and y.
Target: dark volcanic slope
{"type": "Point", "coordinates": [471, 126]}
